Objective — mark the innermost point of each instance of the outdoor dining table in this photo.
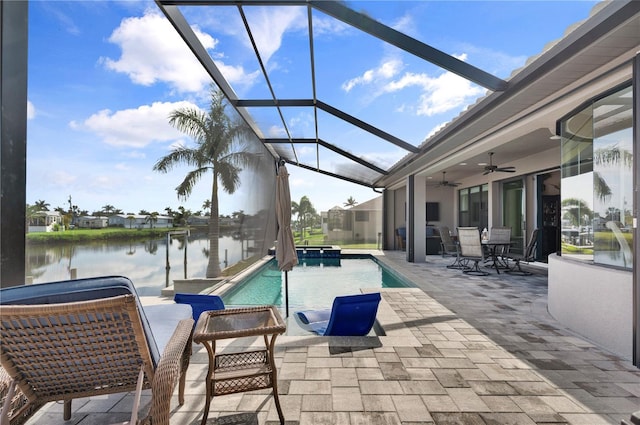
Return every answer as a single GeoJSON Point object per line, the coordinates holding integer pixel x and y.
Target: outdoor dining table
{"type": "Point", "coordinates": [493, 250]}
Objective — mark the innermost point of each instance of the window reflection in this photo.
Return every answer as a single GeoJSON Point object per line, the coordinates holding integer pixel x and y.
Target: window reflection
{"type": "Point", "coordinates": [597, 181]}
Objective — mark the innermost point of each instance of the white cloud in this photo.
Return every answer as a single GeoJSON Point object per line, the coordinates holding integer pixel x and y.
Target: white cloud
{"type": "Point", "coordinates": [388, 69]}
{"type": "Point", "coordinates": [276, 131]}
{"type": "Point", "coordinates": [384, 159]}
{"type": "Point", "coordinates": [31, 110]}
{"type": "Point", "coordinates": [405, 24]}
{"type": "Point", "coordinates": [153, 51]}
{"type": "Point", "coordinates": [437, 94]}
{"type": "Point", "coordinates": [329, 26]}
{"type": "Point", "coordinates": [134, 127]}
{"type": "Point", "coordinates": [268, 26]}
{"type": "Point", "coordinates": [446, 92]}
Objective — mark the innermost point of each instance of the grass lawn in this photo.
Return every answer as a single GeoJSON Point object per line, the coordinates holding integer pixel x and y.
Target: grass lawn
{"type": "Point", "coordinates": [317, 238]}
{"type": "Point", "coordinates": [87, 235]}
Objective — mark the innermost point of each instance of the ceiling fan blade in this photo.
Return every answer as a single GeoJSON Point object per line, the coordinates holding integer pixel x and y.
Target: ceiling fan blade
{"type": "Point", "coordinates": [506, 169]}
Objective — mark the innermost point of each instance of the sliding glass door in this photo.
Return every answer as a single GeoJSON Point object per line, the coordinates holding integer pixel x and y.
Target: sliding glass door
{"type": "Point", "coordinates": [513, 213]}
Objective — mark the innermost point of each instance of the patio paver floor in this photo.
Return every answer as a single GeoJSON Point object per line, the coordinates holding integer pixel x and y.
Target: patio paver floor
{"type": "Point", "coordinates": [458, 349]}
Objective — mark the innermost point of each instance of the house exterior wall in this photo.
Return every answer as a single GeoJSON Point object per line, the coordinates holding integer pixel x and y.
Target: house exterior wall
{"type": "Point", "coordinates": [92, 222]}
{"type": "Point", "coordinates": [594, 301]}
{"type": "Point", "coordinates": [44, 221]}
{"type": "Point", "coordinates": [140, 222]}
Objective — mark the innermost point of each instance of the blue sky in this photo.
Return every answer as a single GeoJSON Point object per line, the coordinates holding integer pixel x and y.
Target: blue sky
{"type": "Point", "coordinates": [104, 75]}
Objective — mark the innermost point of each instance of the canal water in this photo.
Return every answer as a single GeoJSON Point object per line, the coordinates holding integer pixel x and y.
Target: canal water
{"type": "Point", "coordinates": [142, 261]}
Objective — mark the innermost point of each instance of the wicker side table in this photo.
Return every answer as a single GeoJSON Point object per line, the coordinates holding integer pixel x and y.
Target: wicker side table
{"type": "Point", "coordinates": [243, 371]}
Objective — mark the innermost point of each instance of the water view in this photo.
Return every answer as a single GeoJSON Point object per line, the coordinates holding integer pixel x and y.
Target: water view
{"type": "Point", "coordinates": [143, 261]}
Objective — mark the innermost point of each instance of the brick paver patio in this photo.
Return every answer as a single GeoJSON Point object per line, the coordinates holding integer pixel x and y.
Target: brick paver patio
{"type": "Point", "coordinates": [456, 350]}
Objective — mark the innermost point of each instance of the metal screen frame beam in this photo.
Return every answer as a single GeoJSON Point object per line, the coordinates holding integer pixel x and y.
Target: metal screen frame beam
{"type": "Point", "coordinates": [13, 140]}
{"type": "Point", "coordinates": [409, 44]}
{"type": "Point", "coordinates": [332, 148]}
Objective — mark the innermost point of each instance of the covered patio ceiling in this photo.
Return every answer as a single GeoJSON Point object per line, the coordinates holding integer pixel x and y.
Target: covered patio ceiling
{"type": "Point", "coordinates": [315, 122]}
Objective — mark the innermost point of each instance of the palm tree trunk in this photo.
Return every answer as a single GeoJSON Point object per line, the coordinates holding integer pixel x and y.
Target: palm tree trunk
{"type": "Point", "coordinates": [213, 266]}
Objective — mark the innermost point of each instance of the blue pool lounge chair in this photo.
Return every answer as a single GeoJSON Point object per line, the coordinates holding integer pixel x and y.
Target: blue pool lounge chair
{"type": "Point", "coordinates": [351, 315]}
{"type": "Point", "coordinates": [199, 302]}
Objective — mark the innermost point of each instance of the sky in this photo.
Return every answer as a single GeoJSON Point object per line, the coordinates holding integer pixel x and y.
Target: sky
{"type": "Point", "coordinates": [104, 76]}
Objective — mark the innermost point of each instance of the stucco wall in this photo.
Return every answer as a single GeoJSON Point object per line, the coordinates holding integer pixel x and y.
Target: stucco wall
{"type": "Point", "coordinates": [593, 301]}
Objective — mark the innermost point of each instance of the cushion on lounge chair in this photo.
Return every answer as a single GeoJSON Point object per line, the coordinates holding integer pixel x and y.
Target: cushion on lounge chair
{"type": "Point", "coordinates": [350, 315]}
{"type": "Point", "coordinates": [101, 287]}
{"type": "Point", "coordinates": [200, 302]}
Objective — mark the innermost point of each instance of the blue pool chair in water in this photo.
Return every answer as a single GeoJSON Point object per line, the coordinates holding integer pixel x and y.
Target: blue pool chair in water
{"type": "Point", "coordinates": [351, 315]}
{"type": "Point", "coordinates": [199, 302]}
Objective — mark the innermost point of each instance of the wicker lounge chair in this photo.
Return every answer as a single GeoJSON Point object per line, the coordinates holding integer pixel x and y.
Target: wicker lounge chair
{"type": "Point", "coordinates": [89, 337]}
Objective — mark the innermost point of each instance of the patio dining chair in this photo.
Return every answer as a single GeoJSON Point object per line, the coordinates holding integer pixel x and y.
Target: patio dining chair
{"type": "Point", "coordinates": [89, 337]}
{"type": "Point", "coordinates": [499, 240]}
{"type": "Point", "coordinates": [450, 248]}
{"type": "Point", "coordinates": [471, 250]}
{"type": "Point", "coordinates": [527, 256]}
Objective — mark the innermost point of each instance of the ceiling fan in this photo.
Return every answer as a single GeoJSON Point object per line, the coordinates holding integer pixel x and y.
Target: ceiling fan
{"type": "Point", "coordinates": [444, 182]}
{"type": "Point", "coordinates": [492, 168]}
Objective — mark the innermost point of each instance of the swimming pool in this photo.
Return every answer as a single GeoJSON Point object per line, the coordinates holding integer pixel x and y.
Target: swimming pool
{"type": "Point", "coordinates": [313, 283]}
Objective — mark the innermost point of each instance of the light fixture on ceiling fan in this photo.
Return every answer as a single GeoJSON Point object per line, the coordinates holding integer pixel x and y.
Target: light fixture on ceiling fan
{"type": "Point", "coordinates": [492, 168]}
{"type": "Point", "coordinates": [444, 182]}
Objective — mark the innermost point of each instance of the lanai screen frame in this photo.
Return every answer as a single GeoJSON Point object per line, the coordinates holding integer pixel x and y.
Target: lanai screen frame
{"type": "Point", "coordinates": [362, 22]}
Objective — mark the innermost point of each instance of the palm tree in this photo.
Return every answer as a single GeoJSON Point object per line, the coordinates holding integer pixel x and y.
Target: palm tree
{"type": "Point", "coordinates": [152, 218]}
{"type": "Point", "coordinates": [206, 205]}
{"type": "Point", "coordinates": [108, 209]}
{"type": "Point", "coordinates": [613, 155]}
{"type": "Point", "coordinates": [41, 205]}
{"type": "Point", "coordinates": [576, 210]}
{"type": "Point", "coordinates": [351, 202]}
{"type": "Point", "coordinates": [131, 218]}
{"type": "Point", "coordinates": [220, 149]}
{"type": "Point", "coordinates": [304, 210]}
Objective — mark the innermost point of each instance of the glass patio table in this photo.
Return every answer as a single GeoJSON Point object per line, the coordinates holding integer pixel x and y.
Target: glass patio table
{"type": "Point", "coordinates": [493, 250]}
{"type": "Point", "coordinates": [242, 371]}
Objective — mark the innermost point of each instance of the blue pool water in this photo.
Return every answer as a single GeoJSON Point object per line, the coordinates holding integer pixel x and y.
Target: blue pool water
{"type": "Point", "coordinates": [313, 283]}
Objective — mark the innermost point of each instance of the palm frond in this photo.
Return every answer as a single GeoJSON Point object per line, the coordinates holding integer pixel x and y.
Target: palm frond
{"type": "Point", "coordinates": [180, 155]}
{"type": "Point", "coordinates": [186, 187]}
{"type": "Point", "coordinates": [229, 176]}
{"type": "Point", "coordinates": [191, 122]}
{"type": "Point", "coordinates": [600, 187]}
{"type": "Point", "coordinates": [613, 155]}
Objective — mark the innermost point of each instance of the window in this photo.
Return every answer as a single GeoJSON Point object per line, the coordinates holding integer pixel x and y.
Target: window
{"type": "Point", "coordinates": [474, 203]}
{"type": "Point", "coordinates": [597, 181]}
{"type": "Point", "coordinates": [362, 215]}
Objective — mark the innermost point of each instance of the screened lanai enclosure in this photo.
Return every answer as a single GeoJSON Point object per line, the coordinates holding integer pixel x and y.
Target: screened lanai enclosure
{"type": "Point", "coordinates": [303, 114]}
